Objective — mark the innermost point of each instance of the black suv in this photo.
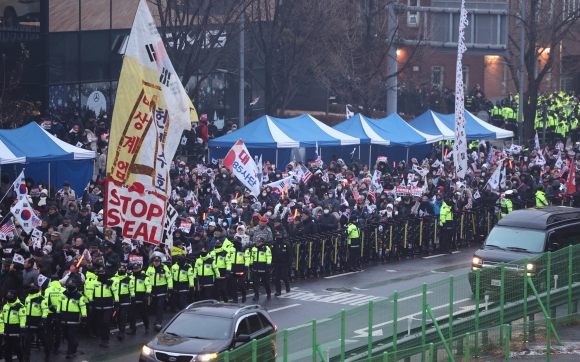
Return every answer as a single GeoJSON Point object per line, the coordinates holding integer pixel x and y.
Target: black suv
{"type": "Point", "coordinates": [204, 329]}
{"type": "Point", "coordinates": [526, 234]}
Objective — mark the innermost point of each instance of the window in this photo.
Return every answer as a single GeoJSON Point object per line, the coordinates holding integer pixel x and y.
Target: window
{"type": "Point", "coordinates": [465, 77]}
{"type": "Point", "coordinates": [192, 325]}
{"type": "Point", "coordinates": [437, 76]}
{"type": "Point", "coordinates": [504, 80]}
{"type": "Point", "coordinates": [254, 322]}
{"type": "Point", "coordinates": [413, 16]}
{"type": "Point", "coordinates": [95, 55]}
{"type": "Point", "coordinates": [565, 236]}
{"type": "Point", "coordinates": [242, 327]}
{"type": "Point", "coordinates": [63, 55]}
{"type": "Point", "coordinates": [265, 322]}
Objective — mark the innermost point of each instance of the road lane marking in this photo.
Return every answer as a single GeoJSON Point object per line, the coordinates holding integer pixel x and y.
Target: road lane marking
{"type": "Point", "coordinates": [281, 308]}
{"type": "Point", "coordinates": [334, 297]}
{"type": "Point", "coordinates": [363, 332]}
{"type": "Point", "coordinates": [341, 275]}
{"type": "Point", "coordinates": [412, 296]}
{"type": "Point", "coordinates": [438, 255]}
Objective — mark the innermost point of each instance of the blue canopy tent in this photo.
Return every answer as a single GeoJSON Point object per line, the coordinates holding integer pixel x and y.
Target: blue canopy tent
{"type": "Point", "coordinates": [392, 129]}
{"type": "Point", "coordinates": [475, 128]}
{"type": "Point", "coordinates": [45, 157]}
{"type": "Point", "coordinates": [268, 134]}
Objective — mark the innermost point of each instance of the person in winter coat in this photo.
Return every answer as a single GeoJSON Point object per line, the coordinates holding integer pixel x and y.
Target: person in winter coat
{"type": "Point", "coordinates": [10, 278]}
{"type": "Point", "coordinates": [245, 239]}
{"type": "Point", "coordinates": [296, 228]}
{"type": "Point", "coordinates": [29, 276]}
{"type": "Point", "coordinates": [310, 227]}
{"type": "Point", "coordinates": [327, 221]}
{"type": "Point", "coordinates": [262, 230]}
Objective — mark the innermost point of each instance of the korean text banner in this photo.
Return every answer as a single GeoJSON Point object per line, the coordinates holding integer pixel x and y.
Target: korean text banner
{"type": "Point", "coordinates": [241, 163]}
{"type": "Point", "coordinates": [151, 112]}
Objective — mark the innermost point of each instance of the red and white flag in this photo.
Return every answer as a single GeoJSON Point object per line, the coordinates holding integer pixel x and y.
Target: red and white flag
{"type": "Point", "coordinates": [239, 161]}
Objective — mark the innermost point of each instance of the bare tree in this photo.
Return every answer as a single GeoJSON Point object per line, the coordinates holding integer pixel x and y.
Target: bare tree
{"type": "Point", "coordinates": [286, 42]}
{"type": "Point", "coordinates": [547, 25]}
{"type": "Point", "coordinates": [357, 60]}
{"type": "Point", "coordinates": [15, 110]}
{"type": "Point", "coordinates": [198, 35]}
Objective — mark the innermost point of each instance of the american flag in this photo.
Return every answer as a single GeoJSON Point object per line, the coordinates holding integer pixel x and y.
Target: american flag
{"type": "Point", "coordinates": [7, 228]}
{"type": "Point", "coordinates": [306, 175]}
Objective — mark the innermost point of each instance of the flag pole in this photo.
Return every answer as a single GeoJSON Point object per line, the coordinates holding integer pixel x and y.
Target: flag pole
{"type": "Point", "coordinates": [3, 197]}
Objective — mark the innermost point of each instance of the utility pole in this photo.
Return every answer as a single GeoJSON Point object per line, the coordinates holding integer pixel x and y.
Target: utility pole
{"type": "Point", "coordinates": [242, 68]}
{"type": "Point", "coordinates": [392, 65]}
{"type": "Point", "coordinates": [522, 68]}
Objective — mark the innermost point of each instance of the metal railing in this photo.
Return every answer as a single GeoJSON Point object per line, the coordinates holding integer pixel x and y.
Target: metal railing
{"type": "Point", "coordinates": [460, 316]}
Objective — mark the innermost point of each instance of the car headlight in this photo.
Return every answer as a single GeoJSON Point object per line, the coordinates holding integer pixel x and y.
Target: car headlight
{"type": "Point", "coordinates": [147, 351]}
{"type": "Point", "coordinates": [530, 266]}
{"type": "Point", "coordinates": [207, 356]}
{"type": "Point", "coordinates": [477, 260]}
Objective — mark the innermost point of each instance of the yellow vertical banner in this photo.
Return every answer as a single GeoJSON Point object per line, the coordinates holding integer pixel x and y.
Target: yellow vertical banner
{"type": "Point", "coordinates": [151, 112]}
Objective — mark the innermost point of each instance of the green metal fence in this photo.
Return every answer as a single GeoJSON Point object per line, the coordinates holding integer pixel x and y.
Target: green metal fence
{"type": "Point", "coordinates": [460, 316]}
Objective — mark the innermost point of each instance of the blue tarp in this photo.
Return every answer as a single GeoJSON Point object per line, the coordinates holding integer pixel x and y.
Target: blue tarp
{"type": "Point", "coordinates": [475, 128]}
{"type": "Point", "coordinates": [360, 127]}
{"type": "Point", "coordinates": [400, 133]}
{"type": "Point", "coordinates": [33, 148]}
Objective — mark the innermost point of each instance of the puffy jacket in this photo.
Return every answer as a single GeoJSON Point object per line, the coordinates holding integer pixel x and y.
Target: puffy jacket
{"type": "Point", "coordinates": [327, 222]}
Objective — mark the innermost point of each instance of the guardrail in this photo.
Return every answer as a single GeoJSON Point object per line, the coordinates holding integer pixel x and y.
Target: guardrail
{"type": "Point", "coordinates": [474, 307]}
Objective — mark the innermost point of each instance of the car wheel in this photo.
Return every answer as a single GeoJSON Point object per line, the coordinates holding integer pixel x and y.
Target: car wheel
{"type": "Point", "coordinates": [10, 19]}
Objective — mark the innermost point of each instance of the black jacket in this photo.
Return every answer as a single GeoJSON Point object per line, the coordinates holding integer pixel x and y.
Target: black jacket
{"type": "Point", "coordinates": [310, 227]}
{"type": "Point", "coordinates": [327, 222]}
{"type": "Point", "coordinates": [282, 253]}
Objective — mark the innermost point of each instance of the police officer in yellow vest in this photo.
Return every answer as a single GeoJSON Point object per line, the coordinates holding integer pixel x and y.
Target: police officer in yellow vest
{"type": "Point", "coordinates": [12, 326]}
{"type": "Point", "coordinates": [182, 273]}
{"type": "Point", "coordinates": [446, 224]}
{"type": "Point", "coordinates": [261, 262]}
{"type": "Point", "coordinates": [140, 293]}
{"type": "Point", "coordinates": [205, 272]}
{"type": "Point", "coordinates": [125, 288]}
{"type": "Point", "coordinates": [353, 241]}
{"type": "Point", "coordinates": [224, 263]}
{"type": "Point", "coordinates": [73, 312]}
{"type": "Point", "coordinates": [240, 265]}
{"type": "Point", "coordinates": [36, 307]}
{"type": "Point", "coordinates": [53, 327]}
{"type": "Point", "coordinates": [541, 197]}
{"type": "Point", "coordinates": [162, 285]}
{"type": "Point", "coordinates": [103, 297]}
{"type": "Point", "coordinates": [505, 203]}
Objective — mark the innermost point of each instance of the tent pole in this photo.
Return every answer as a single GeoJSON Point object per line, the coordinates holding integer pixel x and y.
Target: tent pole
{"type": "Point", "coordinates": [48, 179]}
{"type": "Point", "coordinates": [359, 151]}
{"type": "Point", "coordinates": [370, 151]}
{"type": "Point", "coordinates": [208, 159]}
{"type": "Point", "coordinates": [407, 155]}
{"type": "Point", "coordinates": [276, 158]}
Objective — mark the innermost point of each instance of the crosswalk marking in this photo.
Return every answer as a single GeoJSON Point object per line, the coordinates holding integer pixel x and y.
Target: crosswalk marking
{"type": "Point", "coordinates": [335, 298]}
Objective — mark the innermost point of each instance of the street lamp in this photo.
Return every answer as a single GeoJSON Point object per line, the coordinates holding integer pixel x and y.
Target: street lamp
{"type": "Point", "coordinates": [242, 88]}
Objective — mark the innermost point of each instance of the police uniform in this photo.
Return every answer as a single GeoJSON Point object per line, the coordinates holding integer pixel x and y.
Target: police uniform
{"type": "Point", "coordinates": [73, 312]}
{"type": "Point", "coordinates": [12, 326]}
{"type": "Point", "coordinates": [541, 199]}
{"type": "Point", "coordinates": [182, 274]}
{"type": "Point", "coordinates": [140, 292]}
{"type": "Point", "coordinates": [36, 308]}
{"type": "Point", "coordinates": [205, 272]}
{"type": "Point", "coordinates": [240, 264]}
{"type": "Point", "coordinates": [161, 286]}
{"type": "Point", "coordinates": [353, 242]}
{"type": "Point", "coordinates": [505, 204]}
{"type": "Point", "coordinates": [103, 297]}
{"type": "Point", "coordinates": [124, 304]}
{"type": "Point", "coordinates": [446, 224]}
{"type": "Point", "coordinates": [53, 327]}
{"type": "Point", "coordinates": [282, 256]}
{"type": "Point", "coordinates": [223, 262]}
{"type": "Point", "coordinates": [261, 262]}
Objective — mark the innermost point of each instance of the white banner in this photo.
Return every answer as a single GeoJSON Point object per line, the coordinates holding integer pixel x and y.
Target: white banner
{"type": "Point", "coordinates": [494, 179]}
{"type": "Point", "coordinates": [243, 166]}
{"type": "Point", "coordinates": [170, 217]}
{"type": "Point", "coordinates": [376, 185]}
{"type": "Point", "coordinates": [460, 142]}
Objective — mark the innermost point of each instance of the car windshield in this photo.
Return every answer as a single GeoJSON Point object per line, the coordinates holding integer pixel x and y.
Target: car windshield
{"type": "Point", "coordinates": [511, 238]}
{"type": "Point", "coordinates": [191, 325]}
